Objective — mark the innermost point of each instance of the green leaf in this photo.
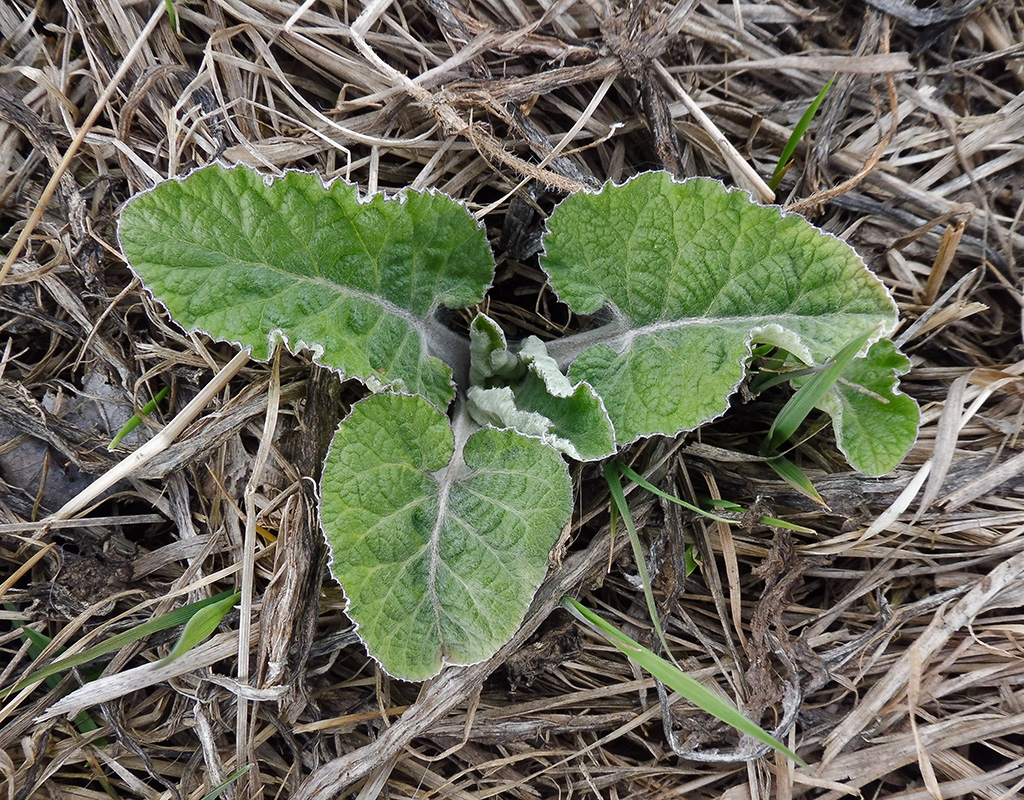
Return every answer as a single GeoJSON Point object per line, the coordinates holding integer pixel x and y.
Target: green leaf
{"type": "Point", "coordinates": [533, 396]}
{"type": "Point", "coordinates": [809, 395]}
{"type": "Point", "coordinates": [202, 624]}
{"type": "Point", "coordinates": [728, 505]}
{"type": "Point", "coordinates": [221, 787]}
{"type": "Point", "coordinates": [875, 425]}
{"type": "Point", "coordinates": [620, 507]}
{"type": "Point", "coordinates": [439, 539]}
{"type": "Point", "coordinates": [692, 274]}
{"type": "Point", "coordinates": [798, 134]}
{"type": "Point", "coordinates": [358, 280]}
{"type": "Point", "coordinates": [795, 477]}
{"type": "Point", "coordinates": [691, 555]}
{"type": "Point", "coordinates": [490, 361]}
{"type": "Point", "coordinates": [37, 643]}
{"type": "Point", "coordinates": [576, 411]}
{"type": "Point", "coordinates": [136, 419]}
{"type": "Point", "coordinates": [639, 479]}
{"type": "Point", "coordinates": [676, 679]}
{"type": "Point", "coordinates": [163, 622]}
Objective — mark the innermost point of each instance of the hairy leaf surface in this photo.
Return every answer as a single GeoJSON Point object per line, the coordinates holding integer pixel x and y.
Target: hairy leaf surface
{"type": "Point", "coordinates": [357, 280]}
{"type": "Point", "coordinates": [527, 391]}
{"type": "Point", "coordinates": [440, 543]}
{"type": "Point", "coordinates": [691, 274]}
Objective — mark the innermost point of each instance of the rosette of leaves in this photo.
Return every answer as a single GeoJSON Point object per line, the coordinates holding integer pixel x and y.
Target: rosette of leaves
{"type": "Point", "coordinates": [445, 489]}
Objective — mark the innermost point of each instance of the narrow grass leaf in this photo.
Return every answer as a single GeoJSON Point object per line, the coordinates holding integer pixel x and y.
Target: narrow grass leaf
{"type": "Point", "coordinates": [619, 504]}
{"type": "Point", "coordinates": [775, 522]}
{"type": "Point", "coordinates": [172, 16]}
{"type": "Point", "coordinates": [37, 643]}
{"type": "Point", "coordinates": [770, 376]}
{"type": "Point", "coordinates": [201, 625]}
{"type": "Point", "coordinates": [796, 477]}
{"type": "Point", "coordinates": [728, 505]}
{"type": "Point", "coordinates": [169, 620]}
{"type": "Point", "coordinates": [133, 423]}
{"type": "Point", "coordinates": [676, 679]}
{"type": "Point", "coordinates": [223, 785]}
{"type": "Point", "coordinates": [808, 396]}
{"type": "Point", "coordinates": [638, 479]}
{"type": "Point", "coordinates": [798, 134]}
{"type": "Point", "coordinates": [692, 563]}
{"type": "Point", "coordinates": [38, 640]}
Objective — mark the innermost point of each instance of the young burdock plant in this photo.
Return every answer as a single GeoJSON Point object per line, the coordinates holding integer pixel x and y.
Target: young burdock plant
{"type": "Point", "coordinates": [445, 489]}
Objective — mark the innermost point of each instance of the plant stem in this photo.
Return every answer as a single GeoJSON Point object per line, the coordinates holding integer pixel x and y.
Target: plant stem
{"type": "Point", "coordinates": [566, 349]}
{"type": "Point", "coordinates": [450, 347]}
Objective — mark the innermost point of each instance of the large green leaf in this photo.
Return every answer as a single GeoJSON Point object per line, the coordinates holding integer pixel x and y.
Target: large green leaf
{"type": "Point", "coordinates": [440, 541]}
{"type": "Point", "coordinates": [357, 280]}
{"type": "Point", "coordinates": [690, 274]}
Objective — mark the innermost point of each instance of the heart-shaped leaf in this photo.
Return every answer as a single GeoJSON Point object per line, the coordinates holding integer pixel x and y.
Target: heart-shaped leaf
{"type": "Point", "coordinates": [691, 274]}
{"type": "Point", "coordinates": [440, 541]}
{"type": "Point", "coordinates": [356, 279]}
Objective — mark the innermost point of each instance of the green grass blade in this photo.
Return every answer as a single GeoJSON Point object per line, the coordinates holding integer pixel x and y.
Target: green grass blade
{"type": "Point", "coordinates": [200, 625]}
{"type": "Point", "coordinates": [728, 505]}
{"type": "Point", "coordinates": [676, 679]}
{"type": "Point", "coordinates": [798, 134]}
{"type": "Point", "coordinates": [775, 522]}
{"type": "Point", "coordinates": [133, 423]}
{"type": "Point", "coordinates": [638, 479]}
{"type": "Point", "coordinates": [37, 643]}
{"type": "Point", "coordinates": [797, 478]}
{"type": "Point", "coordinates": [230, 779]}
{"type": "Point", "coordinates": [809, 395]}
{"type": "Point", "coordinates": [765, 380]}
{"type": "Point", "coordinates": [172, 16]}
{"type": "Point", "coordinates": [169, 620]}
{"type": "Point", "coordinates": [620, 506]}
{"type": "Point", "coordinates": [39, 640]}
{"type": "Point", "coordinates": [692, 562]}
{"type": "Point", "coordinates": [769, 366]}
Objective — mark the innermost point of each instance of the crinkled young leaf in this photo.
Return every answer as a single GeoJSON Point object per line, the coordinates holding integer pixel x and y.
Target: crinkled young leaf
{"type": "Point", "coordinates": [440, 544]}
{"type": "Point", "coordinates": [576, 426]}
{"type": "Point", "coordinates": [576, 411]}
{"type": "Point", "coordinates": [490, 360]}
{"type": "Point", "coordinates": [357, 280]}
{"type": "Point", "coordinates": [497, 407]}
{"type": "Point", "coordinates": [532, 395]}
{"type": "Point", "coordinates": [874, 428]}
{"type": "Point", "coordinates": [691, 274]}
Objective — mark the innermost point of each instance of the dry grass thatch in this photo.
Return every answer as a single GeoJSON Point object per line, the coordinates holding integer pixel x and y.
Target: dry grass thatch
{"type": "Point", "coordinates": [896, 628]}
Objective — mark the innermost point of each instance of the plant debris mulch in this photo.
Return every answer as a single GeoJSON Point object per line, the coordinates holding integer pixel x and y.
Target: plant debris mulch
{"type": "Point", "coordinates": [885, 647]}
